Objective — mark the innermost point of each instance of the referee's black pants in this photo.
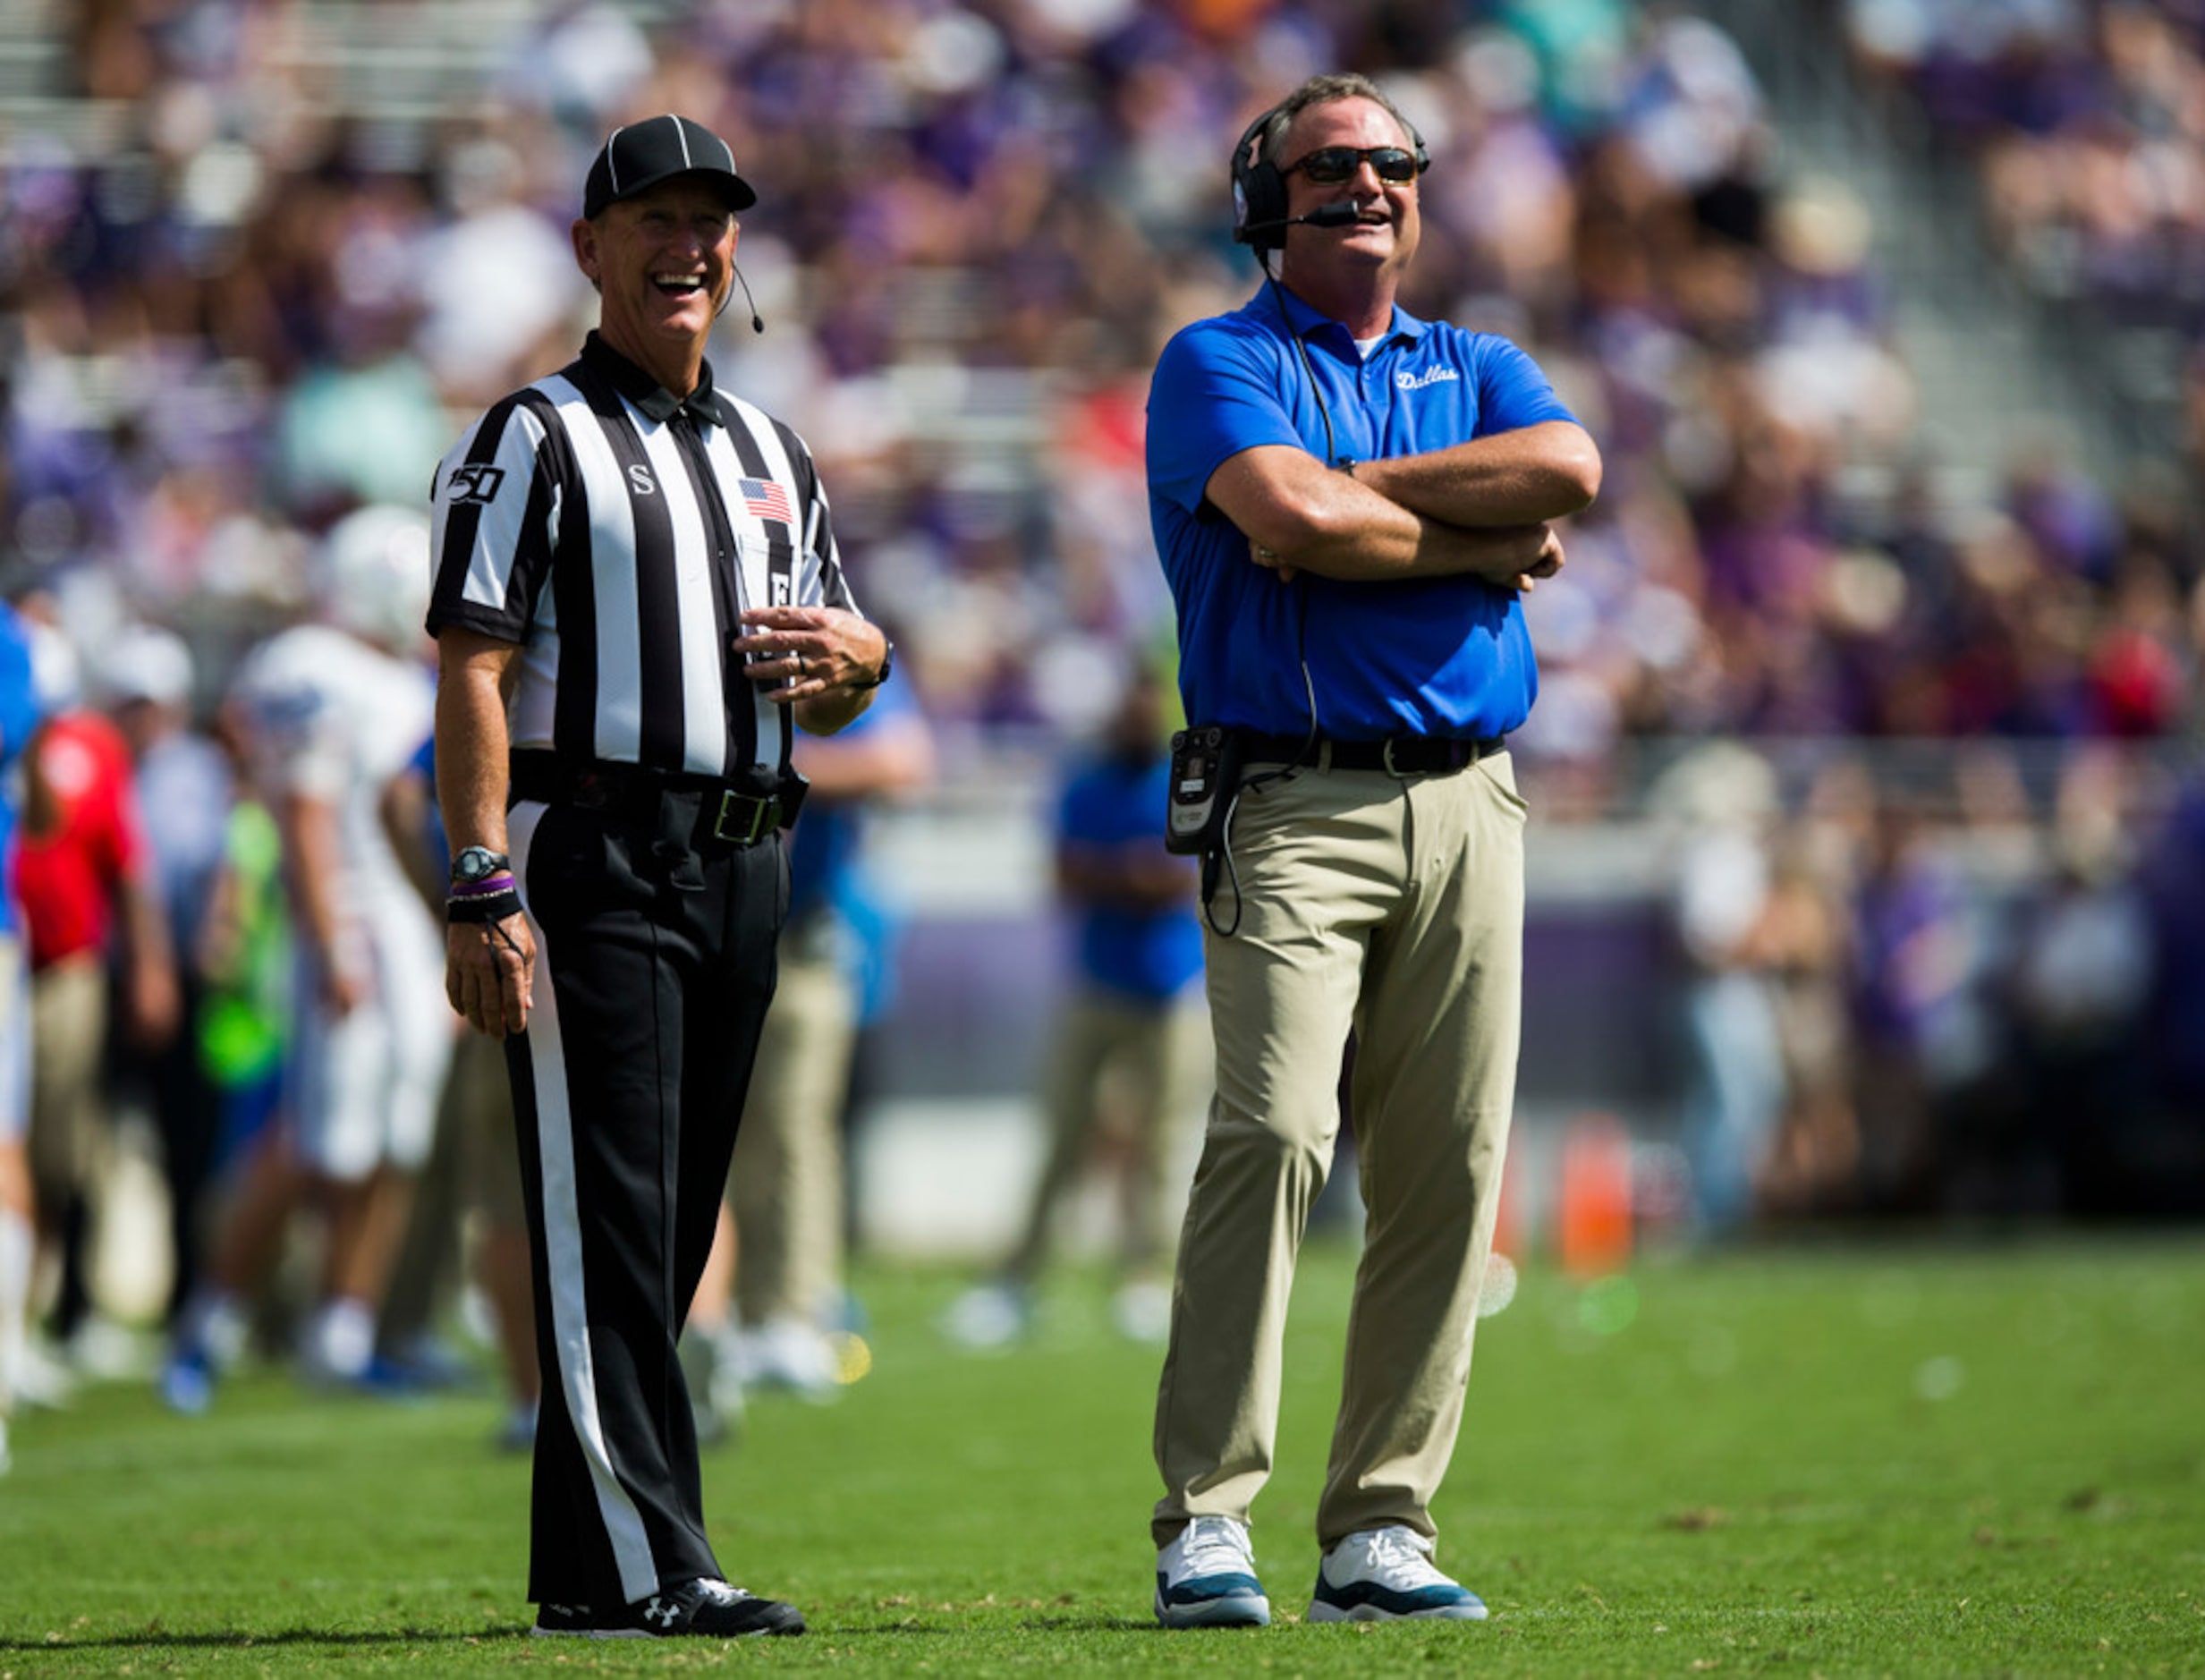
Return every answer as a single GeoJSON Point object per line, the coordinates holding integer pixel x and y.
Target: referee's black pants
{"type": "Point", "coordinates": [654, 965]}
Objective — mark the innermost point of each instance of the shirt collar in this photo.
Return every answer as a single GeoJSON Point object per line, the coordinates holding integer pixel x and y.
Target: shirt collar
{"type": "Point", "coordinates": [656, 402]}
{"type": "Point", "coordinates": [1278, 303]}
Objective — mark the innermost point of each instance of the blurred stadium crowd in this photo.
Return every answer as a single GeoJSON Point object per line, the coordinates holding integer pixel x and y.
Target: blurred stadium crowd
{"type": "Point", "coordinates": [282, 248]}
{"type": "Point", "coordinates": [268, 294]}
{"type": "Point", "coordinates": [2087, 124]}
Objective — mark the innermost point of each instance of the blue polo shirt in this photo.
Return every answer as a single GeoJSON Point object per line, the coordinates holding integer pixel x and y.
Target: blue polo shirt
{"type": "Point", "coordinates": [1445, 656]}
{"type": "Point", "coordinates": [19, 717]}
{"type": "Point", "coordinates": [828, 872]}
{"type": "Point", "coordinates": [1147, 954]}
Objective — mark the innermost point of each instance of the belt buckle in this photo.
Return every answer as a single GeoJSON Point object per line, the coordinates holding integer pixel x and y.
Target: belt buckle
{"type": "Point", "coordinates": [1386, 761]}
{"type": "Point", "coordinates": [765, 816]}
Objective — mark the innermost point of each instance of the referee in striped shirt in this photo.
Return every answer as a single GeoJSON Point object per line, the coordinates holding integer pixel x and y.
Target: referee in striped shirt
{"type": "Point", "coordinates": [637, 592]}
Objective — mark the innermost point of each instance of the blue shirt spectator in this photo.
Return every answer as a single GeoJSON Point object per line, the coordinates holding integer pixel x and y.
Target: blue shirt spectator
{"type": "Point", "coordinates": [832, 893]}
{"type": "Point", "coordinates": [19, 717]}
{"type": "Point", "coordinates": [1117, 799]}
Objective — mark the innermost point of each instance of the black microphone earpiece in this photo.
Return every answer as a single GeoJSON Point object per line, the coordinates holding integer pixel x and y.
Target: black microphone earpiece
{"type": "Point", "coordinates": [1339, 212]}
{"type": "Point", "coordinates": [757, 325]}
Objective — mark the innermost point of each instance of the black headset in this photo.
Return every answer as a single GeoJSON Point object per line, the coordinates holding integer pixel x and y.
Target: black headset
{"type": "Point", "coordinates": [1260, 189]}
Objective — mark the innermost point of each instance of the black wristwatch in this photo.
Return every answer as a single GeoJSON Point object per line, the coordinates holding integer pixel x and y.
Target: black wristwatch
{"type": "Point", "coordinates": [478, 863]}
{"type": "Point", "coordinates": [887, 664]}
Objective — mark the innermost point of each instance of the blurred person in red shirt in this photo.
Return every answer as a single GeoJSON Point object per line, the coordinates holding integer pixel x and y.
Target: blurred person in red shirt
{"type": "Point", "coordinates": [83, 878]}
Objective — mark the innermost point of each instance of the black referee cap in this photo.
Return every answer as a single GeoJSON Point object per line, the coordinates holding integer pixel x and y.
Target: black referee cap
{"type": "Point", "coordinates": [643, 153]}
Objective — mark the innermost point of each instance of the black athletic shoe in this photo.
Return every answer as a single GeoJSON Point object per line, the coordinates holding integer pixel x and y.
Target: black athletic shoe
{"type": "Point", "coordinates": [567, 1621]}
{"type": "Point", "coordinates": [708, 1608]}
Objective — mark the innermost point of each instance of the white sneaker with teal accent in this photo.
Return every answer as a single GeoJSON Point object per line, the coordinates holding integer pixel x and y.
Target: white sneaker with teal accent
{"type": "Point", "coordinates": [1206, 1578]}
{"type": "Point", "coordinates": [1385, 1574]}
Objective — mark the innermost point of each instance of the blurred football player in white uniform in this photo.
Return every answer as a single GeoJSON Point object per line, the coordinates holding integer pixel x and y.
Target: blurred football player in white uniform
{"type": "Point", "coordinates": [331, 712]}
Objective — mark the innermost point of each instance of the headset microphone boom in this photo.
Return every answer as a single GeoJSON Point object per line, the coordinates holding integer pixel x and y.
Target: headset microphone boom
{"type": "Point", "coordinates": [1339, 212]}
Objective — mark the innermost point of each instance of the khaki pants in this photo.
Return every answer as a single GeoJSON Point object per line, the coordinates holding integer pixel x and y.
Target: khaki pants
{"type": "Point", "coordinates": [474, 1165]}
{"type": "Point", "coordinates": [68, 1034]}
{"type": "Point", "coordinates": [1154, 1049]}
{"type": "Point", "coordinates": [1395, 908]}
{"type": "Point", "coordinates": [786, 1185]}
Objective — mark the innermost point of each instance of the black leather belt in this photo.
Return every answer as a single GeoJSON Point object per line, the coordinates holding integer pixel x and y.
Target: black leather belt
{"type": "Point", "coordinates": [735, 815]}
{"type": "Point", "coordinates": [1404, 755]}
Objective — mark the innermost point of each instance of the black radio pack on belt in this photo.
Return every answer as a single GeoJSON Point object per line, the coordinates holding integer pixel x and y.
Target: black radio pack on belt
{"type": "Point", "coordinates": [1206, 770]}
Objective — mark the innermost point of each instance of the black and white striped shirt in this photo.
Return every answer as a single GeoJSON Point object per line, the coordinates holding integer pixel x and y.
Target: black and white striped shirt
{"type": "Point", "coordinates": [616, 532]}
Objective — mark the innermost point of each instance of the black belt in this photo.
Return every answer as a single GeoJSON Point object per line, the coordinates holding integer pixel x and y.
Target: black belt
{"type": "Point", "coordinates": [1404, 755]}
{"type": "Point", "coordinates": [737, 816]}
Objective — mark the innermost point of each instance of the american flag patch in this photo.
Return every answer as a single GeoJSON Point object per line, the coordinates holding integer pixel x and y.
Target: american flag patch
{"type": "Point", "coordinates": [762, 499]}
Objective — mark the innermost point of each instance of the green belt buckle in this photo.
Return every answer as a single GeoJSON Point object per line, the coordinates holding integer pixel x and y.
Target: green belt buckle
{"type": "Point", "coordinates": [765, 815]}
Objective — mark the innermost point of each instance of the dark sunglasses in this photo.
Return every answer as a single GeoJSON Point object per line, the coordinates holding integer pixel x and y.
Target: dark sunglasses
{"type": "Point", "coordinates": [1328, 166]}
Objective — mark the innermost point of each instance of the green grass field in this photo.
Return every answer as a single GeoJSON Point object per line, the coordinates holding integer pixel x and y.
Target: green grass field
{"type": "Point", "coordinates": [1919, 1461]}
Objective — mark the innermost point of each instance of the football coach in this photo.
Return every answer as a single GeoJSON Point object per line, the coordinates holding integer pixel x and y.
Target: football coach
{"type": "Point", "coordinates": [1349, 502]}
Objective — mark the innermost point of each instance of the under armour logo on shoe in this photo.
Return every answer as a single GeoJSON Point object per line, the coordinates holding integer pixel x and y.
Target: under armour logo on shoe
{"type": "Point", "coordinates": [663, 1612]}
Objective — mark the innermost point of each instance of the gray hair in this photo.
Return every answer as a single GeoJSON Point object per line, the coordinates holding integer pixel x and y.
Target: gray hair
{"type": "Point", "coordinates": [1326, 90]}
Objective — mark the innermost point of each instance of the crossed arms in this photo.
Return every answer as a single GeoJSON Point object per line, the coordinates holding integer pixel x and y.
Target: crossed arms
{"type": "Point", "coordinates": [1478, 509]}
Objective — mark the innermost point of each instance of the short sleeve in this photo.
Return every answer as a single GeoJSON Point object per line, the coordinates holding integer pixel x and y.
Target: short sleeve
{"type": "Point", "coordinates": [1513, 391]}
{"type": "Point", "coordinates": [495, 509]}
{"type": "Point", "coordinates": [1215, 393]}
